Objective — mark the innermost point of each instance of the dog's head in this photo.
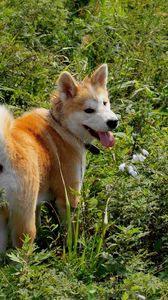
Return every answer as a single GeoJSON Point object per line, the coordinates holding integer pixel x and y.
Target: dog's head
{"type": "Point", "coordinates": [84, 107]}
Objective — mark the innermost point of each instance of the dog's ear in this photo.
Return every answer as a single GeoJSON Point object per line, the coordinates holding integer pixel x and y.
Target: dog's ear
{"type": "Point", "coordinates": [67, 86]}
{"type": "Point", "coordinates": [99, 77]}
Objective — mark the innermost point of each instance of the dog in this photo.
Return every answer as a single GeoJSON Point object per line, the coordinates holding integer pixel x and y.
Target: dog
{"type": "Point", "coordinates": [43, 152]}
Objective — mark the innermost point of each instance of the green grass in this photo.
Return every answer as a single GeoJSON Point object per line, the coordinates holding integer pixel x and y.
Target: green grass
{"type": "Point", "coordinates": [121, 249]}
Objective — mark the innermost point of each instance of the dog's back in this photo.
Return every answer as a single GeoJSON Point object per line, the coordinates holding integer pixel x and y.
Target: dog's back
{"type": "Point", "coordinates": [34, 152]}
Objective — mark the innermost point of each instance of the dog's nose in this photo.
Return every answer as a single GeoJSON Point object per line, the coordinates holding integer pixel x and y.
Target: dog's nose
{"type": "Point", "coordinates": [112, 124]}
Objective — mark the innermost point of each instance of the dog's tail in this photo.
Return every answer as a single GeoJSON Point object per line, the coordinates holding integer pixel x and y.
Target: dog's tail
{"type": "Point", "coordinates": [6, 121]}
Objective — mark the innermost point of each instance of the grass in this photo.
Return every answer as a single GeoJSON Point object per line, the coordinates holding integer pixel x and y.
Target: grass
{"type": "Point", "coordinates": [121, 249]}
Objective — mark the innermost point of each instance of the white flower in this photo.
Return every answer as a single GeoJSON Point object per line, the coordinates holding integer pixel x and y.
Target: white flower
{"type": "Point", "coordinates": [145, 152]}
{"type": "Point", "coordinates": [105, 217]}
{"type": "Point", "coordinates": [134, 174]}
{"type": "Point", "coordinates": [132, 171]}
{"type": "Point", "coordinates": [122, 167]}
{"type": "Point", "coordinates": [106, 213]}
{"type": "Point", "coordinates": [135, 157]}
{"type": "Point", "coordinates": [141, 297]}
{"type": "Point", "coordinates": [141, 157]}
{"type": "Point", "coordinates": [138, 157]}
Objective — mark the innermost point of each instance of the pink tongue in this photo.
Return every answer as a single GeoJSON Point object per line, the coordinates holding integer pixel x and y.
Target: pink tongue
{"type": "Point", "coordinates": [106, 138]}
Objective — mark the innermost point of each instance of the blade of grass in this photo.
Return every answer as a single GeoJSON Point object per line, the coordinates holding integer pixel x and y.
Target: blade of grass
{"type": "Point", "coordinates": [68, 212]}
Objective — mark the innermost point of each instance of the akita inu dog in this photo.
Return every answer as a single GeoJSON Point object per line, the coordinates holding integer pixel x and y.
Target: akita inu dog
{"type": "Point", "coordinates": [43, 151]}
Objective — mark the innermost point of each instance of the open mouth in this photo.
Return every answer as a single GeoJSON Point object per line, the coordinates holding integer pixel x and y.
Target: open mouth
{"type": "Point", "coordinates": [92, 132]}
{"type": "Point", "coordinates": [106, 138]}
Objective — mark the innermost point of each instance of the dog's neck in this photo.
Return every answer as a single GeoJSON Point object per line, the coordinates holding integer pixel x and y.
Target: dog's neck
{"type": "Point", "coordinates": [93, 149]}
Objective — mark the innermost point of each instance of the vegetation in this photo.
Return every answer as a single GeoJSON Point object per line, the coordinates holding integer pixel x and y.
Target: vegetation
{"type": "Point", "coordinates": [122, 249]}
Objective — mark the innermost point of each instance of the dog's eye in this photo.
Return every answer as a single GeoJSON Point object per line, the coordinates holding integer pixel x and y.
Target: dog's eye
{"type": "Point", "coordinates": [105, 103]}
{"type": "Point", "coordinates": [89, 110]}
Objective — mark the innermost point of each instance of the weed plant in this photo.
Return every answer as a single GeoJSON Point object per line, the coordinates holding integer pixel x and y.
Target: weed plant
{"type": "Point", "coordinates": [121, 238]}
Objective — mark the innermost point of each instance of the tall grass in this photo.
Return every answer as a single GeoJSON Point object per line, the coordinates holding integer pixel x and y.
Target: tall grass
{"type": "Point", "coordinates": [123, 256]}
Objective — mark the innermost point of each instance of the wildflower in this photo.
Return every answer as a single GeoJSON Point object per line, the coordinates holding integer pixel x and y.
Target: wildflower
{"type": "Point", "coordinates": [145, 152]}
{"type": "Point", "coordinates": [105, 217]}
{"type": "Point", "coordinates": [135, 157]}
{"type": "Point", "coordinates": [132, 171]}
{"type": "Point", "coordinates": [138, 157]}
{"type": "Point", "coordinates": [122, 167]}
{"type": "Point", "coordinates": [106, 213]}
{"type": "Point", "coordinates": [141, 297]}
{"type": "Point", "coordinates": [141, 157]}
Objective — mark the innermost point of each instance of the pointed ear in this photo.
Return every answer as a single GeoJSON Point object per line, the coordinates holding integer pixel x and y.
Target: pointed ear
{"type": "Point", "coordinates": [67, 86]}
{"type": "Point", "coordinates": [99, 77]}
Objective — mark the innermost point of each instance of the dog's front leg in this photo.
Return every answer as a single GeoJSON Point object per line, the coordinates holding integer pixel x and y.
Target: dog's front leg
{"type": "Point", "coordinates": [63, 202]}
{"type": "Point", "coordinates": [67, 187]}
{"type": "Point", "coordinates": [68, 218]}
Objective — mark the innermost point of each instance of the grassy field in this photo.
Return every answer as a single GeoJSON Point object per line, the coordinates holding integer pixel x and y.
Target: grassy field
{"type": "Point", "coordinates": [122, 249]}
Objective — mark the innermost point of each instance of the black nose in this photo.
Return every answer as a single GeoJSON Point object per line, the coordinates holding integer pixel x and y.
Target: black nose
{"type": "Point", "coordinates": [112, 124]}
